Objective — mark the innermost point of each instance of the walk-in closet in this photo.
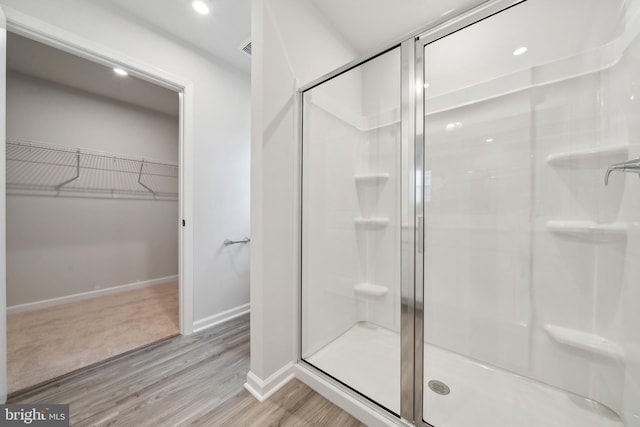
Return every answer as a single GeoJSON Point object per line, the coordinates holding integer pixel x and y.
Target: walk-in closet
{"type": "Point", "coordinates": [92, 161]}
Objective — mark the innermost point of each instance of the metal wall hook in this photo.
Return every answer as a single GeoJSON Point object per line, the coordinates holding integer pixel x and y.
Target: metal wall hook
{"type": "Point", "coordinates": [630, 166]}
{"type": "Point", "coordinates": [228, 242]}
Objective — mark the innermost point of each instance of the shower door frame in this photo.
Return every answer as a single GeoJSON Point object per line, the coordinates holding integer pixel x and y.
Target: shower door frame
{"type": "Point", "coordinates": [413, 161]}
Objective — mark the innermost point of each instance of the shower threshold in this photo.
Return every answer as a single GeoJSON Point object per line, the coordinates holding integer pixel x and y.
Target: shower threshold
{"type": "Point", "coordinates": [367, 358]}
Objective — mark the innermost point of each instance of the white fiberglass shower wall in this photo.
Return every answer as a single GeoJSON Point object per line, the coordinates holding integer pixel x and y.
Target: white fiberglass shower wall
{"type": "Point", "coordinates": [352, 224]}
{"type": "Point", "coordinates": [525, 285]}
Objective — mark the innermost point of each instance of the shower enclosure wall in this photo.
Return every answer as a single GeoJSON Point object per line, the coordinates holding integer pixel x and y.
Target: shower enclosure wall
{"type": "Point", "coordinates": [463, 261]}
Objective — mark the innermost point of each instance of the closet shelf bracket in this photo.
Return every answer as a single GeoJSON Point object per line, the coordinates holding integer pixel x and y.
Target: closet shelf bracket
{"type": "Point", "coordinates": [140, 179]}
{"type": "Point", "coordinates": [59, 186]}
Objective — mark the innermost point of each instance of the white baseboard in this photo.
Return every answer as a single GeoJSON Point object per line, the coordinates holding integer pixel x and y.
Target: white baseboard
{"type": "Point", "coordinates": [216, 319]}
{"type": "Point", "coordinates": [88, 295]}
{"type": "Point", "coordinates": [263, 389]}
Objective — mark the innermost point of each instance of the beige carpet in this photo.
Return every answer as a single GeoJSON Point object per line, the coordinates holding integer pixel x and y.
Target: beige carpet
{"type": "Point", "coordinates": [47, 343]}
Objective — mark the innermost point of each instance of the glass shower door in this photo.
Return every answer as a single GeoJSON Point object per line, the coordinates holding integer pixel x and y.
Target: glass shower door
{"type": "Point", "coordinates": [531, 273]}
{"type": "Point", "coordinates": [351, 228]}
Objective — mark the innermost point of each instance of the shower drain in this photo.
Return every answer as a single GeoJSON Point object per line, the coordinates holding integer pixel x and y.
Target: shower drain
{"type": "Point", "coordinates": [439, 387]}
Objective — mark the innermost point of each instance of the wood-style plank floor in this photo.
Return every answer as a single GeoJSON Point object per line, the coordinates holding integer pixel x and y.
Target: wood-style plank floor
{"type": "Point", "coordinates": [44, 344]}
{"type": "Point", "coordinates": [194, 380]}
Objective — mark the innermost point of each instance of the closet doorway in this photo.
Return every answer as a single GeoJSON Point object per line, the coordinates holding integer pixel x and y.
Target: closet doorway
{"type": "Point", "coordinates": [93, 212]}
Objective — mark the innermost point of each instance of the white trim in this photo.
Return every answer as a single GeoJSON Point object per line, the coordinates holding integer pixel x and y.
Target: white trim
{"type": "Point", "coordinates": [186, 198]}
{"type": "Point", "coordinates": [297, 221]}
{"type": "Point", "coordinates": [3, 215]}
{"type": "Point", "coordinates": [43, 32]}
{"type": "Point", "coordinates": [37, 305]}
{"type": "Point", "coordinates": [363, 412]}
{"type": "Point", "coordinates": [366, 413]}
{"type": "Point", "coordinates": [216, 319]}
{"type": "Point", "coordinates": [263, 389]}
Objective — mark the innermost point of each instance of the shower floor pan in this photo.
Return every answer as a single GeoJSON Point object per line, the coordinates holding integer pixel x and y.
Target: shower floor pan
{"type": "Point", "coordinates": [367, 358]}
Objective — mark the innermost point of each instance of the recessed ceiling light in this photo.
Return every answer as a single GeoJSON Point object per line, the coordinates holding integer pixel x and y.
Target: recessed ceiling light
{"type": "Point", "coordinates": [489, 139]}
{"type": "Point", "coordinates": [519, 51]}
{"type": "Point", "coordinates": [120, 72]}
{"type": "Point", "coordinates": [201, 7]}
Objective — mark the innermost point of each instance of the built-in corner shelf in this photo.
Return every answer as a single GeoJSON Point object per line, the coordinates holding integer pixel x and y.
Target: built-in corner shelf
{"type": "Point", "coordinates": [592, 158]}
{"type": "Point", "coordinates": [588, 342]}
{"type": "Point", "coordinates": [374, 178]}
{"type": "Point", "coordinates": [372, 222]}
{"type": "Point", "coordinates": [588, 229]}
{"type": "Point", "coordinates": [370, 290]}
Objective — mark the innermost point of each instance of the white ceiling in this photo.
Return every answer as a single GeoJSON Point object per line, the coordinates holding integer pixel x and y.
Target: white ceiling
{"type": "Point", "coordinates": [44, 62]}
{"type": "Point", "coordinates": [219, 33]}
{"type": "Point", "coordinates": [368, 25]}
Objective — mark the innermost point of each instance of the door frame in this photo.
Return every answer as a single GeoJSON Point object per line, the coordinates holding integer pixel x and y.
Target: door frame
{"type": "Point", "coordinates": [42, 32]}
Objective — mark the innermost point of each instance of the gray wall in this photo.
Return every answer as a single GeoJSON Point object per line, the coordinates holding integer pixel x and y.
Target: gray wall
{"type": "Point", "coordinates": [60, 246]}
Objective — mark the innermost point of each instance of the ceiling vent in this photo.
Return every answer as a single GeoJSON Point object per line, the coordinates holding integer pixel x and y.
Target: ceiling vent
{"type": "Point", "coordinates": [245, 47]}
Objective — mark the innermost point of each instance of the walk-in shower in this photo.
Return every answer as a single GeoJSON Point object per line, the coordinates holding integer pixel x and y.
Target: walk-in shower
{"type": "Point", "coordinates": [463, 262]}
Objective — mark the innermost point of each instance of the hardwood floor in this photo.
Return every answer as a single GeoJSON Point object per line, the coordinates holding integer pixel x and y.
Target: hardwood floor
{"type": "Point", "coordinates": [50, 342]}
{"type": "Point", "coordinates": [294, 405]}
{"type": "Point", "coordinates": [192, 380]}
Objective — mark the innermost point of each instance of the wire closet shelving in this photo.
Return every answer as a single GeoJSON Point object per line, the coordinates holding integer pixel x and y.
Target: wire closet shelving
{"type": "Point", "coordinates": [45, 169]}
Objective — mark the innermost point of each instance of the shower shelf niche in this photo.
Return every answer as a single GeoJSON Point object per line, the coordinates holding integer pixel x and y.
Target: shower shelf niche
{"type": "Point", "coordinates": [370, 290]}
{"type": "Point", "coordinates": [589, 158]}
{"type": "Point", "coordinates": [371, 223]}
{"type": "Point", "coordinates": [374, 178]}
{"type": "Point", "coordinates": [586, 341]}
{"type": "Point", "coordinates": [588, 228]}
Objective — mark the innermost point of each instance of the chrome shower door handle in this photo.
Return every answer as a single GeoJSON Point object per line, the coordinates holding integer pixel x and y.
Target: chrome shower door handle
{"type": "Point", "coordinates": [420, 234]}
{"type": "Point", "coordinates": [630, 166]}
